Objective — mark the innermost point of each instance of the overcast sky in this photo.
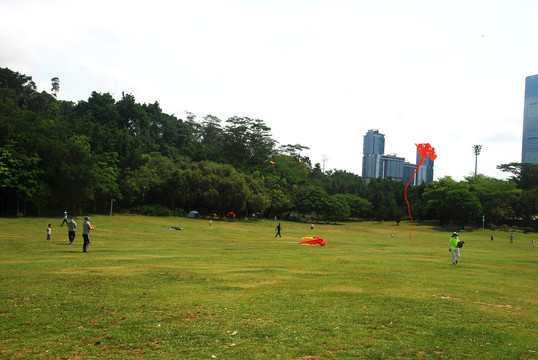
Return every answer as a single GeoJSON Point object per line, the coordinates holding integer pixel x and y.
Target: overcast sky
{"type": "Point", "coordinates": [319, 73]}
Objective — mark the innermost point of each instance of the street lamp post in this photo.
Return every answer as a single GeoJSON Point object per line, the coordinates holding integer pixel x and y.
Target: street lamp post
{"type": "Point", "coordinates": [476, 151]}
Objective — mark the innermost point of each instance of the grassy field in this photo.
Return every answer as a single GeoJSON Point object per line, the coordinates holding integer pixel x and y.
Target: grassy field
{"type": "Point", "coordinates": [234, 291]}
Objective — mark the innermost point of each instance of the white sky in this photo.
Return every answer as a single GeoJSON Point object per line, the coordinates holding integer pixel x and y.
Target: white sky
{"type": "Point", "coordinates": [320, 73]}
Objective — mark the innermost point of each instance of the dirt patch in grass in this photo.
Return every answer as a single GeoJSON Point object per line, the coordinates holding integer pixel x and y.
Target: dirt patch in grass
{"type": "Point", "coordinates": [450, 298]}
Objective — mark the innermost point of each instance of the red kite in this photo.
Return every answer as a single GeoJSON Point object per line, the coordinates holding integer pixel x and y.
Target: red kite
{"type": "Point", "coordinates": [424, 150]}
{"type": "Point", "coordinates": [313, 240]}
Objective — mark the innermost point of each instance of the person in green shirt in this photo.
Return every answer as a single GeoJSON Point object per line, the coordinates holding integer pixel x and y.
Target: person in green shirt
{"type": "Point", "coordinates": [453, 248]}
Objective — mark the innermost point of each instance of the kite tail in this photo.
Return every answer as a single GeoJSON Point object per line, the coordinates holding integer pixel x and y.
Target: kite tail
{"type": "Point", "coordinates": [405, 195]}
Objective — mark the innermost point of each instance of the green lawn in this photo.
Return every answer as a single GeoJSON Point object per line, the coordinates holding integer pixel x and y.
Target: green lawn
{"type": "Point", "coordinates": [234, 291]}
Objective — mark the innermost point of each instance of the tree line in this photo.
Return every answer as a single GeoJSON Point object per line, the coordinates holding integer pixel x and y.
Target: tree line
{"type": "Point", "coordinates": [97, 153]}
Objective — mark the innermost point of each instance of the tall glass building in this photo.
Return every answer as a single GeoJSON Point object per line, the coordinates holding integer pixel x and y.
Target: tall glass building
{"type": "Point", "coordinates": [393, 167]}
{"type": "Point", "coordinates": [529, 153]}
{"type": "Point", "coordinates": [372, 151]}
{"type": "Point", "coordinates": [377, 165]}
{"type": "Point", "coordinates": [408, 171]}
{"type": "Point", "coordinates": [425, 172]}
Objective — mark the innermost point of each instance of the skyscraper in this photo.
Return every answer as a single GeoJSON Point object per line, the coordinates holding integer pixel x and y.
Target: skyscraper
{"type": "Point", "coordinates": [374, 143]}
{"type": "Point", "coordinates": [377, 165]}
{"type": "Point", "coordinates": [393, 167]}
{"type": "Point", "coordinates": [425, 172]}
{"type": "Point", "coordinates": [408, 171]}
{"type": "Point", "coordinates": [372, 150]}
{"type": "Point", "coordinates": [529, 153]}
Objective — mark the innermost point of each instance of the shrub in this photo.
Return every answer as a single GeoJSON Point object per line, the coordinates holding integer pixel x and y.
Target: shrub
{"type": "Point", "coordinates": [528, 229]}
{"type": "Point", "coordinates": [153, 210]}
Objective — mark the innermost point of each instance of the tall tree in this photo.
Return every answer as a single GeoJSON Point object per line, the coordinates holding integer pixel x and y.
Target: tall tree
{"type": "Point", "coordinates": [435, 196]}
{"type": "Point", "coordinates": [464, 205]}
{"type": "Point", "coordinates": [525, 175]}
{"type": "Point", "coordinates": [55, 83]}
{"type": "Point", "coordinates": [248, 143]}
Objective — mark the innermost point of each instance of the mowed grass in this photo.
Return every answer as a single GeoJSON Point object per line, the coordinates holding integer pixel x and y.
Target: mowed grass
{"type": "Point", "coordinates": [234, 291]}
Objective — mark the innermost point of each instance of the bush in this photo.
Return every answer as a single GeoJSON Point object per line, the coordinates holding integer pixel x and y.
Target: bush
{"type": "Point", "coordinates": [492, 227]}
{"type": "Point", "coordinates": [528, 229]}
{"type": "Point", "coordinates": [157, 210]}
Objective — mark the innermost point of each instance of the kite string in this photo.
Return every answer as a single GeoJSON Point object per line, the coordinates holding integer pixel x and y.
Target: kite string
{"type": "Point", "coordinates": [405, 195]}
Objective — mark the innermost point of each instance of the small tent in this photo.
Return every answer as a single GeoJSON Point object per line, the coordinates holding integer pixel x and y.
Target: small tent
{"type": "Point", "coordinates": [193, 214]}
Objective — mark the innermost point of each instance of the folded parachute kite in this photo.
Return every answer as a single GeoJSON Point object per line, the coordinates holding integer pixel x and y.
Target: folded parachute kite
{"type": "Point", "coordinates": [313, 240]}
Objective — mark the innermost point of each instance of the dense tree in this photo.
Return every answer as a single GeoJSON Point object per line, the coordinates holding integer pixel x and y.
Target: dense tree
{"type": "Point", "coordinates": [435, 196]}
{"type": "Point", "coordinates": [312, 201]}
{"type": "Point", "coordinates": [497, 198]}
{"type": "Point", "coordinates": [343, 182]}
{"type": "Point", "coordinates": [464, 205]}
{"type": "Point", "coordinates": [359, 208]}
{"type": "Point", "coordinates": [525, 175]}
{"type": "Point", "coordinates": [16, 88]}
{"type": "Point", "coordinates": [210, 138]}
{"type": "Point", "coordinates": [417, 203]}
{"type": "Point", "coordinates": [386, 196]}
{"type": "Point", "coordinates": [21, 175]}
{"type": "Point", "coordinates": [56, 155]}
{"type": "Point", "coordinates": [279, 199]}
{"type": "Point", "coordinates": [451, 200]}
{"type": "Point", "coordinates": [247, 143]}
{"type": "Point", "coordinates": [107, 183]}
{"type": "Point", "coordinates": [338, 208]}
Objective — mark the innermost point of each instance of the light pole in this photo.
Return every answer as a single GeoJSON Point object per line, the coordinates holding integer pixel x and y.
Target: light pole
{"type": "Point", "coordinates": [324, 159]}
{"type": "Point", "coordinates": [476, 151]}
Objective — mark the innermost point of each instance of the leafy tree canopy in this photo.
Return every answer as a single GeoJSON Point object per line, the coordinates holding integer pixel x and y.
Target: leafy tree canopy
{"type": "Point", "coordinates": [57, 155]}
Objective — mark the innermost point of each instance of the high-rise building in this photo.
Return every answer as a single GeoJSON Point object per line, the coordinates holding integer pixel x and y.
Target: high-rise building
{"type": "Point", "coordinates": [377, 165]}
{"type": "Point", "coordinates": [374, 143]}
{"type": "Point", "coordinates": [372, 150]}
{"type": "Point", "coordinates": [425, 172]}
{"type": "Point", "coordinates": [392, 167]}
{"type": "Point", "coordinates": [529, 153]}
{"type": "Point", "coordinates": [408, 171]}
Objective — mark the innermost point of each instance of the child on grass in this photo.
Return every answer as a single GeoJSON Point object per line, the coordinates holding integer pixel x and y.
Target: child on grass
{"type": "Point", "coordinates": [49, 232]}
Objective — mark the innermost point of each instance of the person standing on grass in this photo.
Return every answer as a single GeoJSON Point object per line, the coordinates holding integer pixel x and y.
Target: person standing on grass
{"type": "Point", "coordinates": [49, 232]}
{"type": "Point", "coordinates": [86, 228]}
{"type": "Point", "coordinates": [65, 219]}
{"type": "Point", "coordinates": [453, 248]}
{"type": "Point", "coordinates": [511, 238]}
{"type": "Point", "coordinates": [71, 225]}
{"type": "Point", "coordinates": [278, 228]}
